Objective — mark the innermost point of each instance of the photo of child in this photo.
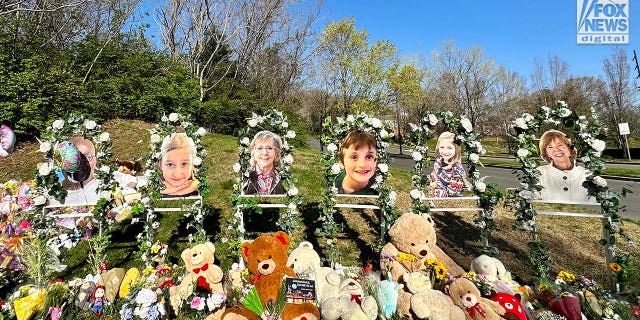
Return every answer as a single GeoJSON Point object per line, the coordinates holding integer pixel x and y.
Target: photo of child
{"type": "Point", "coordinates": [358, 162]}
{"type": "Point", "coordinates": [448, 176]}
{"type": "Point", "coordinates": [176, 165]}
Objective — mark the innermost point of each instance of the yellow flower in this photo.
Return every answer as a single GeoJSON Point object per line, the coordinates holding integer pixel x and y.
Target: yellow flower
{"type": "Point", "coordinates": [615, 267]}
{"type": "Point", "coordinates": [149, 270]}
{"type": "Point", "coordinates": [155, 249]}
{"type": "Point", "coordinates": [441, 271]}
{"type": "Point", "coordinates": [12, 187]}
{"type": "Point", "coordinates": [566, 276]}
{"type": "Point", "coordinates": [406, 257]}
{"type": "Point", "coordinates": [471, 274]}
{"type": "Point", "coordinates": [431, 262]}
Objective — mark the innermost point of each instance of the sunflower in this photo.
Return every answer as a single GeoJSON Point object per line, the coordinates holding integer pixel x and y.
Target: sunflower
{"type": "Point", "coordinates": [615, 267]}
{"type": "Point", "coordinates": [440, 270]}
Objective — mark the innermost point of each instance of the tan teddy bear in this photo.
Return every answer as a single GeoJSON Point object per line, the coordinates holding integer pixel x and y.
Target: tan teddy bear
{"type": "Point", "coordinates": [466, 296]}
{"type": "Point", "coordinates": [198, 262]}
{"type": "Point", "coordinates": [495, 273]}
{"type": "Point", "coordinates": [350, 303]}
{"type": "Point", "coordinates": [427, 303]}
{"type": "Point", "coordinates": [413, 241]}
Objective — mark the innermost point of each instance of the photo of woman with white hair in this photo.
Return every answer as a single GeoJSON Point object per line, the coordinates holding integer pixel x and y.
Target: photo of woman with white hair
{"type": "Point", "coordinates": [264, 177]}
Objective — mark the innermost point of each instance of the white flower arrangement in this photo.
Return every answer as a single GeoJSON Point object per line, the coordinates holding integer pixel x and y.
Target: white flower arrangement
{"type": "Point", "coordinates": [276, 122]}
{"type": "Point", "coordinates": [334, 132]}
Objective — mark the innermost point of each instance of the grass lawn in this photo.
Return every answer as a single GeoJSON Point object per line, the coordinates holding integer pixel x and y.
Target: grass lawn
{"type": "Point", "coordinates": [573, 241]}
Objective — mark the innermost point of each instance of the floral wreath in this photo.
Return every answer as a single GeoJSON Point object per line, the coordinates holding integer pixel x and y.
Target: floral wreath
{"type": "Point", "coordinates": [46, 176]}
{"type": "Point", "coordinates": [465, 137]}
{"type": "Point", "coordinates": [589, 151]}
{"type": "Point", "coordinates": [277, 123]}
{"type": "Point", "coordinates": [145, 207]}
{"type": "Point", "coordinates": [334, 133]}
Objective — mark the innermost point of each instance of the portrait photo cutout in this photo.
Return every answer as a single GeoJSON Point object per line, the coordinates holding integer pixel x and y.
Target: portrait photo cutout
{"type": "Point", "coordinates": [561, 179]}
{"type": "Point", "coordinates": [264, 176]}
{"type": "Point", "coordinates": [82, 187]}
{"type": "Point", "coordinates": [358, 161]}
{"type": "Point", "coordinates": [176, 166]}
{"type": "Point", "coordinates": [447, 179]}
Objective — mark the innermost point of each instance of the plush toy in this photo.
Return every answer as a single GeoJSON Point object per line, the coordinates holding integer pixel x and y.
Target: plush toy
{"type": "Point", "coordinates": [305, 262]}
{"type": "Point", "coordinates": [413, 240]}
{"type": "Point", "coordinates": [350, 303]}
{"type": "Point", "coordinates": [235, 276]}
{"type": "Point", "coordinates": [199, 263]}
{"type": "Point", "coordinates": [427, 303]}
{"type": "Point", "coordinates": [266, 259]}
{"type": "Point", "coordinates": [388, 296]}
{"type": "Point", "coordinates": [130, 279]}
{"type": "Point", "coordinates": [7, 141]}
{"type": "Point", "coordinates": [511, 304]}
{"type": "Point", "coordinates": [98, 300]}
{"type": "Point", "coordinates": [495, 273]}
{"type": "Point", "coordinates": [84, 294]}
{"type": "Point", "coordinates": [111, 281]}
{"type": "Point", "coordinates": [466, 296]}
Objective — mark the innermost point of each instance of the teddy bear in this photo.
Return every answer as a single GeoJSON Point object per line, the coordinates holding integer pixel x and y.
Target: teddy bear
{"type": "Point", "coordinates": [198, 262]}
{"type": "Point", "coordinates": [305, 262]}
{"type": "Point", "coordinates": [350, 303]}
{"type": "Point", "coordinates": [85, 291]}
{"type": "Point", "coordinates": [413, 240]}
{"type": "Point", "coordinates": [495, 273]}
{"type": "Point", "coordinates": [511, 304]}
{"type": "Point", "coordinates": [235, 276]}
{"type": "Point", "coordinates": [466, 296]}
{"type": "Point", "coordinates": [266, 259]}
{"type": "Point", "coordinates": [427, 303]}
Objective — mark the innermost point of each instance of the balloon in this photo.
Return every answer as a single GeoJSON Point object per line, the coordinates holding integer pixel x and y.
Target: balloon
{"type": "Point", "coordinates": [67, 156]}
{"type": "Point", "coordinates": [7, 140]}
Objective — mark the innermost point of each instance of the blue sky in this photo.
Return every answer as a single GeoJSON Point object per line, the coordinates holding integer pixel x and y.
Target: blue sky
{"type": "Point", "coordinates": [512, 33]}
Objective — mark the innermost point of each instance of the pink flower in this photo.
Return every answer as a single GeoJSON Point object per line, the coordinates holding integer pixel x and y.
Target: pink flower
{"type": "Point", "coordinates": [197, 303]}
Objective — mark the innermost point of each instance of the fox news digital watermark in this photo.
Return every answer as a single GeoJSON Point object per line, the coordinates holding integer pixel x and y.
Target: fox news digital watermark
{"type": "Point", "coordinates": [603, 21]}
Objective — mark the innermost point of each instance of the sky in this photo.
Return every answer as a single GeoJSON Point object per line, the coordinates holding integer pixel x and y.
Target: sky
{"type": "Point", "coordinates": [512, 32]}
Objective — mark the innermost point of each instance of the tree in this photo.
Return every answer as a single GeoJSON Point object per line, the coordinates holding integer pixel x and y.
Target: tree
{"type": "Point", "coordinates": [619, 95]}
{"type": "Point", "coordinates": [405, 93]}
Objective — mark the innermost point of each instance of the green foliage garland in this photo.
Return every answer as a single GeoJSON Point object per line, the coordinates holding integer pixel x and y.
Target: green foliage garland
{"type": "Point", "coordinates": [472, 149]}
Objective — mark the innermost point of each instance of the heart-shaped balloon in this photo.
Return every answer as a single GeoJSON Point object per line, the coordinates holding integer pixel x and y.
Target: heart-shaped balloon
{"type": "Point", "coordinates": [67, 156]}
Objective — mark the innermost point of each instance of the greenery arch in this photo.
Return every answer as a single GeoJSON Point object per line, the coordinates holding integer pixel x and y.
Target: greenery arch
{"type": "Point", "coordinates": [276, 122]}
{"type": "Point", "coordinates": [334, 132]}
{"type": "Point", "coordinates": [589, 148]}
{"type": "Point", "coordinates": [465, 136]}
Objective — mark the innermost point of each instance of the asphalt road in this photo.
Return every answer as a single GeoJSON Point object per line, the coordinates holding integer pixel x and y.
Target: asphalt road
{"type": "Point", "coordinates": [506, 178]}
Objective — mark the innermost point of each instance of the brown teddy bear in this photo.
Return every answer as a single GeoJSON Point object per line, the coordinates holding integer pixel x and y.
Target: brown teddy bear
{"type": "Point", "coordinates": [198, 262]}
{"type": "Point", "coordinates": [413, 241]}
{"type": "Point", "coordinates": [466, 296]}
{"type": "Point", "coordinates": [266, 259]}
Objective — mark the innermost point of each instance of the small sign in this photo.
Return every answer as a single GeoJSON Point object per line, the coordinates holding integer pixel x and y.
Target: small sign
{"type": "Point", "coordinates": [300, 290]}
{"type": "Point", "coordinates": [624, 128]}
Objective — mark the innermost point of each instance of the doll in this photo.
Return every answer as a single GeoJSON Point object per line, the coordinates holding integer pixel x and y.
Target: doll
{"type": "Point", "coordinates": [98, 300]}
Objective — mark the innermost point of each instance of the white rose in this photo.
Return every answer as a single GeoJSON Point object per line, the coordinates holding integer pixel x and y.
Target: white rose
{"type": "Point", "coordinates": [417, 156]}
{"type": "Point", "coordinates": [376, 123]}
{"type": "Point", "coordinates": [245, 141]}
{"type": "Point", "coordinates": [173, 117]}
{"type": "Point", "coordinates": [44, 169]}
{"type": "Point", "coordinates": [600, 181]}
{"type": "Point", "coordinates": [466, 124]}
{"type": "Point", "coordinates": [474, 157]}
{"type": "Point", "coordinates": [164, 119]}
{"type": "Point", "coordinates": [290, 134]}
{"type": "Point", "coordinates": [528, 117]}
{"type": "Point", "coordinates": [335, 168]}
{"type": "Point", "coordinates": [252, 122]}
{"type": "Point", "coordinates": [293, 192]}
{"type": "Point", "coordinates": [522, 153]}
{"type": "Point", "coordinates": [332, 147]}
{"type": "Point", "coordinates": [155, 225]}
{"type": "Point", "coordinates": [105, 168]}
{"type": "Point", "coordinates": [545, 109]}
{"type": "Point", "coordinates": [392, 196]}
{"type": "Point", "coordinates": [384, 134]}
{"type": "Point", "coordinates": [415, 194]}
{"type": "Point", "coordinates": [57, 125]}
{"type": "Point", "coordinates": [197, 161]}
{"type": "Point", "coordinates": [598, 145]}
{"type": "Point", "coordinates": [384, 168]}
{"type": "Point", "coordinates": [449, 114]}
{"type": "Point", "coordinates": [201, 131]}
{"type": "Point", "coordinates": [350, 118]}
{"type": "Point", "coordinates": [433, 120]}
{"type": "Point", "coordinates": [292, 206]}
{"type": "Point", "coordinates": [104, 137]}
{"type": "Point", "coordinates": [288, 159]}
{"type": "Point", "coordinates": [481, 186]}
{"type": "Point", "coordinates": [285, 124]}
{"type": "Point", "coordinates": [521, 123]}
{"type": "Point", "coordinates": [563, 103]}
{"type": "Point", "coordinates": [45, 147]}
{"type": "Point", "coordinates": [379, 179]}
{"type": "Point", "coordinates": [564, 112]}
{"type": "Point", "coordinates": [236, 167]}
{"type": "Point", "coordinates": [155, 138]}
{"type": "Point", "coordinates": [90, 125]}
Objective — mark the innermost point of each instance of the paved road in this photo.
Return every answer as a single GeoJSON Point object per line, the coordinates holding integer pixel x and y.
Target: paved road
{"type": "Point", "coordinates": [506, 178]}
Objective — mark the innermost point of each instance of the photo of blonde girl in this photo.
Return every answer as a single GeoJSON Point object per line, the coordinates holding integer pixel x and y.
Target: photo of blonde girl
{"type": "Point", "coordinates": [176, 165]}
{"type": "Point", "coordinates": [448, 176]}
